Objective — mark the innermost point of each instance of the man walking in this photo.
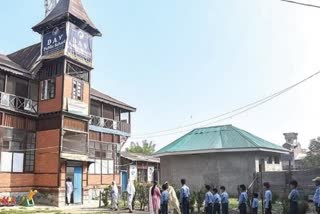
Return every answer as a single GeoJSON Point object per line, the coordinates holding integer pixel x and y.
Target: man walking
{"type": "Point", "coordinates": [184, 197]}
{"type": "Point", "coordinates": [131, 190]}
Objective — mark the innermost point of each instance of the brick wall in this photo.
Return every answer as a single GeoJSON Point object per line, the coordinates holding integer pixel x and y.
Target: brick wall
{"type": "Point", "coordinates": [55, 104]}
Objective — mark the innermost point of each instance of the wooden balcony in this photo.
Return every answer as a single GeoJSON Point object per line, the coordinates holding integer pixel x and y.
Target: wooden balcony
{"type": "Point", "coordinates": [16, 103]}
{"type": "Point", "coordinates": [109, 126]}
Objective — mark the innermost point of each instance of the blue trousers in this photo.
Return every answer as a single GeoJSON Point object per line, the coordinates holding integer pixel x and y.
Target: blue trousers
{"type": "Point", "coordinates": [185, 206]}
{"type": "Point", "coordinates": [164, 208]}
{"type": "Point", "coordinates": [293, 207]}
{"type": "Point", "coordinates": [225, 208]}
{"type": "Point", "coordinates": [243, 208]}
{"type": "Point", "coordinates": [209, 209]}
{"type": "Point", "coordinates": [216, 208]}
{"type": "Point", "coordinates": [255, 210]}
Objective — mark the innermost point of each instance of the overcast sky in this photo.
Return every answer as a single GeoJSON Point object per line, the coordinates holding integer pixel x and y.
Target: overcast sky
{"type": "Point", "coordinates": [181, 61]}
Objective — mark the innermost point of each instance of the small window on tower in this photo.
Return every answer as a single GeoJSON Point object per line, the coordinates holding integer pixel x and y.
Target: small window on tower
{"type": "Point", "coordinates": [48, 89]}
{"type": "Point", "coordinates": [77, 89]}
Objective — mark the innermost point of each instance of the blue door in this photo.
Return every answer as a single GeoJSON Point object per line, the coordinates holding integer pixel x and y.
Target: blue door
{"type": "Point", "coordinates": [77, 185]}
{"type": "Point", "coordinates": [124, 180]}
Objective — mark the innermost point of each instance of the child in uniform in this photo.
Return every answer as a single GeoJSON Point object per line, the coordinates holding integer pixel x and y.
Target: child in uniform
{"type": "Point", "coordinates": [224, 200]}
{"type": "Point", "coordinates": [208, 200]}
{"type": "Point", "coordinates": [316, 197]}
{"type": "Point", "coordinates": [243, 199]}
{"type": "Point", "coordinates": [216, 201]}
{"type": "Point", "coordinates": [184, 197]}
{"type": "Point", "coordinates": [293, 197]}
{"type": "Point", "coordinates": [267, 198]}
{"type": "Point", "coordinates": [255, 203]}
{"type": "Point", "coordinates": [164, 199]}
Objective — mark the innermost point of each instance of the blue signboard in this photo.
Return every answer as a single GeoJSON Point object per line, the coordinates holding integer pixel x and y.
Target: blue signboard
{"type": "Point", "coordinates": [54, 42]}
{"type": "Point", "coordinates": [79, 45]}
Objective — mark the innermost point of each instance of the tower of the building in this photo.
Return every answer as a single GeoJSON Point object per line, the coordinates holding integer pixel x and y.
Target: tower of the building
{"type": "Point", "coordinates": [66, 59]}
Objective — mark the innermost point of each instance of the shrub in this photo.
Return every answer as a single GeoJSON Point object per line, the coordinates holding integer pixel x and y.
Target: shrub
{"type": "Point", "coordinates": [142, 194]}
{"type": "Point", "coordinates": [105, 195]}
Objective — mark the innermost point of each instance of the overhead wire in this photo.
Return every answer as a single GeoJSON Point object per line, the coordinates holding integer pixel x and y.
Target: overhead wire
{"type": "Point", "coordinates": [229, 114]}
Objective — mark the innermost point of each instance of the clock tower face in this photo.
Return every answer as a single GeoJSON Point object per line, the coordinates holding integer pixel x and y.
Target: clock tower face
{"type": "Point", "coordinates": [50, 5]}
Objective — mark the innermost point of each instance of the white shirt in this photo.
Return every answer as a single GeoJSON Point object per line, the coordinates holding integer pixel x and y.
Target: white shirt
{"type": "Point", "coordinates": [69, 186]}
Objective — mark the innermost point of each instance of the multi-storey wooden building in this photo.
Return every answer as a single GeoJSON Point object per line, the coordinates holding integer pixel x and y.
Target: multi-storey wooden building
{"type": "Point", "coordinates": [53, 125]}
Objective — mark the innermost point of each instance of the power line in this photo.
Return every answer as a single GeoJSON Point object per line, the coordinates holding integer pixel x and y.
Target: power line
{"type": "Point", "coordinates": [301, 3]}
{"type": "Point", "coordinates": [236, 112]}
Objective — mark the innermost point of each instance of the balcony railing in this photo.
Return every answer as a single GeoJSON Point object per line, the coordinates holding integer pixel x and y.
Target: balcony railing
{"type": "Point", "coordinates": [17, 103]}
{"type": "Point", "coordinates": [110, 124]}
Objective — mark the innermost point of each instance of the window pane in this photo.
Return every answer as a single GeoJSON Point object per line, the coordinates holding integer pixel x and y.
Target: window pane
{"type": "Point", "coordinates": [17, 162]}
{"type": "Point", "coordinates": [98, 167]}
{"type": "Point", "coordinates": [33, 91]}
{"type": "Point", "coordinates": [110, 166]}
{"type": "Point", "coordinates": [21, 87]}
{"type": "Point", "coordinates": [104, 167]}
{"type": "Point", "coordinates": [2, 80]}
{"type": "Point", "coordinates": [95, 108]}
{"type": "Point", "coordinates": [6, 162]}
{"type": "Point", "coordinates": [91, 168]}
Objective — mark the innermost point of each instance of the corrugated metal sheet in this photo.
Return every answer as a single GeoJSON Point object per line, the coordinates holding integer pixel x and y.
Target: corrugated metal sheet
{"type": "Point", "coordinates": [65, 9]}
{"type": "Point", "coordinates": [218, 138]}
{"type": "Point", "coordinates": [26, 57]}
{"type": "Point", "coordinates": [139, 157]}
{"type": "Point", "coordinates": [97, 95]}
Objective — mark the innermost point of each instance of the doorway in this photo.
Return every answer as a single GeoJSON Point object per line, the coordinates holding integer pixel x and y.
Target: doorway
{"type": "Point", "coordinates": [75, 174]}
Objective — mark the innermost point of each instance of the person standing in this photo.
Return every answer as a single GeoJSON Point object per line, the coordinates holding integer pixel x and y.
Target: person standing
{"type": "Point", "coordinates": [316, 197]}
{"type": "Point", "coordinates": [69, 188]}
{"type": "Point", "coordinates": [184, 197]}
{"type": "Point", "coordinates": [173, 205]}
{"type": "Point", "coordinates": [293, 197]}
{"type": "Point", "coordinates": [154, 198]}
{"type": "Point", "coordinates": [114, 196]}
{"type": "Point", "coordinates": [216, 201]}
{"type": "Point", "coordinates": [243, 199]}
{"type": "Point", "coordinates": [255, 203]}
{"type": "Point", "coordinates": [224, 200]}
{"type": "Point", "coordinates": [208, 200]}
{"type": "Point", "coordinates": [267, 198]}
{"type": "Point", "coordinates": [131, 190]}
{"type": "Point", "coordinates": [164, 199]}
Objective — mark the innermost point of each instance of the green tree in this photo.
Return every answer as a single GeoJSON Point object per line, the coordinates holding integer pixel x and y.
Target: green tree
{"type": "Point", "coordinates": [145, 147]}
{"type": "Point", "coordinates": [313, 155]}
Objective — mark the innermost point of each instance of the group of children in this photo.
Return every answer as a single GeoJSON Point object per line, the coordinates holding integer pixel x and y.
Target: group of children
{"type": "Point", "coordinates": [216, 203]}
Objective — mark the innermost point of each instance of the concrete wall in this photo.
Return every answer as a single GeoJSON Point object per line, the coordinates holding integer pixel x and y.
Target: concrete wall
{"type": "Point", "coordinates": [228, 169]}
{"type": "Point", "coordinates": [280, 180]}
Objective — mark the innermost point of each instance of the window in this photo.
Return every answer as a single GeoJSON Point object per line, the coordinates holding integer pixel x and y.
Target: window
{"type": "Point", "coordinates": [276, 160]}
{"type": "Point", "coordinates": [269, 161]}
{"type": "Point", "coordinates": [17, 152]}
{"type": "Point", "coordinates": [78, 72]}
{"type": "Point", "coordinates": [48, 89]}
{"type": "Point", "coordinates": [102, 153]}
{"type": "Point", "coordinates": [2, 80]}
{"type": "Point", "coordinates": [77, 89]}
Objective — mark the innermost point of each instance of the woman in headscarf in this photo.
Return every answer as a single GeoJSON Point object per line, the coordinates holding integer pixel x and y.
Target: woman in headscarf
{"type": "Point", "coordinates": [154, 199]}
{"type": "Point", "coordinates": [131, 190]}
{"type": "Point", "coordinates": [114, 196]}
{"type": "Point", "coordinates": [174, 204]}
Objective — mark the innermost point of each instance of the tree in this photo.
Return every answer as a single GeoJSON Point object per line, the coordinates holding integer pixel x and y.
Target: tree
{"type": "Point", "coordinates": [313, 155]}
{"type": "Point", "coordinates": [146, 147]}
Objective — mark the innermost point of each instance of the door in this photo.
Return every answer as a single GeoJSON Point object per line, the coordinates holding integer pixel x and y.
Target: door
{"type": "Point", "coordinates": [77, 185]}
{"type": "Point", "coordinates": [124, 181]}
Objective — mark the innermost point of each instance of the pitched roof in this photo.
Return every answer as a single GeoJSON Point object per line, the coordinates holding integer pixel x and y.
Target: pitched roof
{"type": "Point", "coordinates": [26, 57]}
{"type": "Point", "coordinates": [97, 95]}
{"type": "Point", "coordinates": [69, 10]}
{"type": "Point", "coordinates": [139, 157]}
{"type": "Point", "coordinates": [225, 138]}
{"type": "Point", "coordinates": [8, 65]}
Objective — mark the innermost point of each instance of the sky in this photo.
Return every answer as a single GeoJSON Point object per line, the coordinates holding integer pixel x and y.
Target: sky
{"type": "Point", "coordinates": [183, 61]}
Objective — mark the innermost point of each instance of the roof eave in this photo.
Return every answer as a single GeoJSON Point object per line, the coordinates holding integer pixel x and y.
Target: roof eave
{"type": "Point", "coordinates": [128, 108]}
{"type": "Point", "coordinates": [220, 151]}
